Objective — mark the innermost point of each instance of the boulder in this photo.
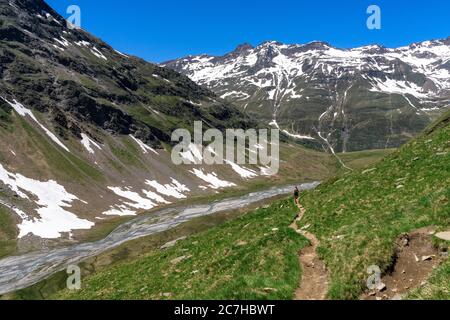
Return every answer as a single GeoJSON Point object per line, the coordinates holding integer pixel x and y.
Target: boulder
{"type": "Point", "coordinates": [443, 235]}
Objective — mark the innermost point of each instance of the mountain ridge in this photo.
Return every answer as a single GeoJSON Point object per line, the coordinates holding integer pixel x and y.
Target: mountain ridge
{"type": "Point", "coordinates": [306, 89]}
{"type": "Point", "coordinates": [247, 45]}
{"type": "Point", "coordinates": [73, 56]}
{"type": "Point", "coordinates": [86, 135]}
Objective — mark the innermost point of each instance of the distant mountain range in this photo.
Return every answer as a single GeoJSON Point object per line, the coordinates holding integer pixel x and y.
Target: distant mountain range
{"type": "Point", "coordinates": [345, 99]}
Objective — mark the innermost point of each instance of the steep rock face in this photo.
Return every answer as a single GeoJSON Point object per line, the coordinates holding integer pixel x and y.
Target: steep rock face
{"type": "Point", "coordinates": [347, 99]}
{"type": "Point", "coordinates": [76, 78]}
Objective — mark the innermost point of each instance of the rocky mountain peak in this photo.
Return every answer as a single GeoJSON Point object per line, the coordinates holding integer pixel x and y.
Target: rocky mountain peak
{"type": "Point", "coordinates": [318, 45]}
{"type": "Point", "coordinates": [270, 43]}
{"type": "Point", "coordinates": [80, 120]}
{"type": "Point", "coordinates": [79, 80]}
{"type": "Point", "coordinates": [35, 7]}
{"type": "Point", "coordinates": [243, 48]}
{"type": "Point", "coordinates": [320, 93]}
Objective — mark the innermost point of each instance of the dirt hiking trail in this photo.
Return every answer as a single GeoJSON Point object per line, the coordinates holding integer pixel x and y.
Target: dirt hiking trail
{"type": "Point", "coordinates": [314, 281]}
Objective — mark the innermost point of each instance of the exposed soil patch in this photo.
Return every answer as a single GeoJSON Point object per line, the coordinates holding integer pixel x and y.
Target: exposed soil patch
{"type": "Point", "coordinates": [414, 260]}
{"type": "Point", "coordinates": [314, 282]}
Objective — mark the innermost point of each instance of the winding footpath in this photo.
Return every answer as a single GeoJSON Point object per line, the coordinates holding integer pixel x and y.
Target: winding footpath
{"type": "Point", "coordinates": [19, 272]}
{"type": "Point", "coordinates": [314, 282]}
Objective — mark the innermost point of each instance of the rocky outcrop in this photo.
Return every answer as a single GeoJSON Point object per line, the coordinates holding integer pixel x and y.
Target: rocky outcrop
{"type": "Point", "coordinates": [77, 78]}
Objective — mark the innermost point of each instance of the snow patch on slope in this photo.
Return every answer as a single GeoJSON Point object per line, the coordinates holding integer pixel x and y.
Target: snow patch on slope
{"type": "Point", "coordinates": [120, 210]}
{"type": "Point", "coordinates": [245, 173]}
{"type": "Point", "coordinates": [145, 148]}
{"type": "Point", "coordinates": [193, 154]}
{"type": "Point", "coordinates": [137, 201]}
{"type": "Point", "coordinates": [399, 87]}
{"type": "Point", "coordinates": [174, 189]}
{"type": "Point", "coordinates": [52, 198]}
{"type": "Point", "coordinates": [120, 53]}
{"type": "Point", "coordinates": [22, 111]}
{"type": "Point", "coordinates": [293, 135]}
{"type": "Point", "coordinates": [98, 54]}
{"type": "Point", "coordinates": [212, 179]}
{"type": "Point", "coordinates": [151, 199]}
{"type": "Point", "coordinates": [88, 143]}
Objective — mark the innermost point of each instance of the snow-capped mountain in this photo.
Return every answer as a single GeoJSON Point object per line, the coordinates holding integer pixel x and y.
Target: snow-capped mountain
{"type": "Point", "coordinates": [346, 99]}
{"type": "Point", "coordinates": [85, 131]}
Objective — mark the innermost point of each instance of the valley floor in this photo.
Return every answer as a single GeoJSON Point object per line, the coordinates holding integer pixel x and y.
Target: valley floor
{"type": "Point", "coordinates": [356, 218]}
{"type": "Point", "coordinates": [211, 263]}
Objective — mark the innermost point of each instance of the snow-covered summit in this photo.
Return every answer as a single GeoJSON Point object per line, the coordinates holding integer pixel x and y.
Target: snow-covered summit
{"type": "Point", "coordinates": [311, 88]}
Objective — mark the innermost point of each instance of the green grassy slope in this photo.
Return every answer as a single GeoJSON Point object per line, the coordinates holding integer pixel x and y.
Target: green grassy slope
{"type": "Point", "coordinates": [301, 164]}
{"type": "Point", "coordinates": [8, 232]}
{"type": "Point", "coordinates": [363, 159]}
{"type": "Point", "coordinates": [25, 149]}
{"type": "Point", "coordinates": [251, 257]}
{"type": "Point", "coordinates": [358, 216]}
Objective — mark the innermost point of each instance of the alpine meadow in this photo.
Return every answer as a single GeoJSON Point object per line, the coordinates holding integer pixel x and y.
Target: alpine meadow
{"type": "Point", "coordinates": [159, 164]}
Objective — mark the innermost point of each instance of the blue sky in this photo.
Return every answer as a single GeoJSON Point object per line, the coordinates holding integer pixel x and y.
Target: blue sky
{"type": "Point", "coordinates": [162, 30]}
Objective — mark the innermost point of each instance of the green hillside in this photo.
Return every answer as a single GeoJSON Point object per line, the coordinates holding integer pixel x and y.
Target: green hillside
{"type": "Point", "coordinates": [251, 257]}
{"type": "Point", "coordinates": [358, 216]}
{"type": "Point", "coordinates": [8, 233]}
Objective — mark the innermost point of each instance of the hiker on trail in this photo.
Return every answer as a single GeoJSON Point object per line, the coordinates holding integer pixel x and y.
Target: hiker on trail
{"type": "Point", "coordinates": [296, 195]}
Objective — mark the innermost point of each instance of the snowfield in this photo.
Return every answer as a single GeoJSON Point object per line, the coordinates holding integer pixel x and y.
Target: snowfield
{"type": "Point", "coordinates": [174, 189]}
{"type": "Point", "coordinates": [145, 148]}
{"type": "Point", "coordinates": [214, 181]}
{"type": "Point", "coordinates": [51, 218]}
{"type": "Point", "coordinates": [22, 111]}
{"type": "Point", "coordinates": [88, 143]}
{"type": "Point", "coordinates": [149, 199]}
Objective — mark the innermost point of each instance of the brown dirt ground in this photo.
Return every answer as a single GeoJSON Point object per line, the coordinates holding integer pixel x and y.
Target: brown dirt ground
{"type": "Point", "coordinates": [414, 260]}
{"type": "Point", "coordinates": [314, 282]}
